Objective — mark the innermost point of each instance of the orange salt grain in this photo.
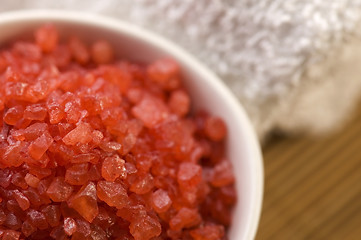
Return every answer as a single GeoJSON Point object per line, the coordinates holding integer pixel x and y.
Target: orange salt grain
{"type": "Point", "coordinates": [59, 190]}
{"type": "Point", "coordinates": [31, 180]}
{"type": "Point", "coordinates": [165, 73]}
{"type": "Point", "coordinates": [80, 134]}
{"type": "Point", "coordinates": [189, 175]}
{"type": "Point", "coordinates": [12, 153]}
{"type": "Point", "coordinates": [21, 199]}
{"type": "Point", "coordinates": [69, 226]}
{"type": "Point", "coordinates": [77, 174]}
{"type": "Point", "coordinates": [179, 102]}
{"type": "Point", "coordinates": [151, 111]}
{"type": "Point", "coordinates": [143, 184]}
{"type": "Point", "coordinates": [19, 181]}
{"type": "Point", "coordinates": [11, 235]}
{"type": "Point", "coordinates": [222, 174]}
{"type": "Point", "coordinates": [13, 115]}
{"type": "Point", "coordinates": [35, 112]}
{"type": "Point", "coordinates": [145, 228]}
{"type": "Point", "coordinates": [52, 214]}
{"type": "Point", "coordinates": [185, 217]}
{"type": "Point", "coordinates": [215, 128]}
{"type": "Point", "coordinates": [27, 228]}
{"type": "Point", "coordinates": [40, 145]}
{"type": "Point", "coordinates": [46, 37]}
{"type": "Point", "coordinates": [113, 167]}
{"type": "Point", "coordinates": [161, 201]}
{"type": "Point", "coordinates": [112, 193]}
{"type": "Point", "coordinates": [79, 50]}
{"type": "Point", "coordinates": [85, 202]}
{"type": "Point", "coordinates": [208, 232]}
{"type": "Point", "coordinates": [102, 52]}
{"type": "Point", "coordinates": [37, 219]}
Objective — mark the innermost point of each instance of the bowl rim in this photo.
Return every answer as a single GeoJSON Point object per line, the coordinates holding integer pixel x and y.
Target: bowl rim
{"type": "Point", "coordinates": [132, 30]}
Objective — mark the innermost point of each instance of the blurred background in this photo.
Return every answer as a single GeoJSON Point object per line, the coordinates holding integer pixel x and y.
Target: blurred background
{"type": "Point", "coordinates": [313, 186]}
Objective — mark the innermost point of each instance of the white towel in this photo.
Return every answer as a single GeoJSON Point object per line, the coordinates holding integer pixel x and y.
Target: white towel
{"type": "Point", "coordinates": [293, 64]}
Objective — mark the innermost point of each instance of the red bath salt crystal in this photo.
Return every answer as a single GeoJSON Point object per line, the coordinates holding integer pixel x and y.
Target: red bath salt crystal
{"type": "Point", "coordinates": [56, 114]}
{"type": "Point", "coordinates": [2, 216]}
{"type": "Point", "coordinates": [161, 201]}
{"type": "Point", "coordinates": [69, 81]}
{"type": "Point", "coordinates": [77, 174]}
{"type": "Point", "coordinates": [110, 146]}
{"type": "Point", "coordinates": [112, 193]}
{"type": "Point", "coordinates": [3, 64]}
{"type": "Point", "coordinates": [19, 181]}
{"type": "Point", "coordinates": [82, 229]}
{"type": "Point", "coordinates": [85, 202]}
{"type": "Point", "coordinates": [35, 130]}
{"type": "Point", "coordinates": [5, 177]}
{"type": "Point", "coordinates": [31, 180]}
{"type": "Point", "coordinates": [98, 233]}
{"type": "Point", "coordinates": [60, 56]}
{"type": "Point", "coordinates": [52, 214]}
{"type": "Point", "coordinates": [215, 128]}
{"type": "Point", "coordinates": [113, 167]}
{"type": "Point", "coordinates": [117, 75]}
{"type": "Point", "coordinates": [222, 174]}
{"type": "Point", "coordinates": [27, 228]}
{"type": "Point", "coordinates": [40, 145]}
{"type": "Point", "coordinates": [21, 199]}
{"type": "Point", "coordinates": [208, 232]}
{"type": "Point", "coordinates": [164, 72]}
{"type": "Point", "coordinates": [12, 153]}
{"type": "Point", "coordinates": [69, 226]}
{"type": "Point", "coordinates": [111, 116]}
{"type": "Point", "coordinates": [79, 50]}
{"type": "Point", "coordinates": [11, 235]}
{"type": "Point", "coordinates": [145, 228]}
{"type": "Point", "coordinates": [81, 134]}
{"type": "Point", "coordinates": [135, 95]}
{"type": "Point", "coordinates": [59, 190]}
{"type": "Point", "coordinates": [179, 102]}
{"type": "Point", "coordinates": [37, 219]}
{"type": "Point", "coordinates": [86, 158]}
{"type": "Point", "coordinates": [46, 37]}
{"type": "Point", "coordinates": [102, 52]}
{"type": "Point", "coordinates": [18, 134]}
{"type": "Point", "coordinates": [105, 219]}
{"type": "Point", "coordinates": [97, 137]}
{"type": "Point", "coordinates": [150, 111]}
{"type": "Point", "coordinates": [40, 172]}
{"type": "Point", "coordinates": [74, 113]}
{"type": "Point", "coordinates": [34, 197]}
{"type": "Point", "coordinates": [27, 50]}
{"type": "Point", "coordinates": [12, 221]}
{"type": "Point", "coordinates": [58, 233]}
{"type": "Point", "coordinates": [12, 75]}
{"type": "Point", "coordinates": [143, 184]}
{"type": "Point", "coordinates": [35, 112]}
{"type": "Point", "coordinates": [185, 218]}
{"type": "Point", "coordinates": [13, 115]}
{"type": "Point", "coordinates": [189, 175]}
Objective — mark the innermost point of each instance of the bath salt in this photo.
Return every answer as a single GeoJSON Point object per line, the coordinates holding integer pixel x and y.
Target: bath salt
{"type": "Point", "coordinates": [95, 146]}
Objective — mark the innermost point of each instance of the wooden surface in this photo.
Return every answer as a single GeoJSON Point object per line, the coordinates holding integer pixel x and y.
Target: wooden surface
{"type": "Point", "coordinates": [313, 187]}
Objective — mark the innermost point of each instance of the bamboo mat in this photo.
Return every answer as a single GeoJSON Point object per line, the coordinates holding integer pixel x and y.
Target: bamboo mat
{"type": "Point", "coordinates": [313, 187]}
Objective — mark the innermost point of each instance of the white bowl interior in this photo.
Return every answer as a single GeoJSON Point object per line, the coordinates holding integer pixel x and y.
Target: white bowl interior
{"type": "Point", "coordinates": [206, 90]}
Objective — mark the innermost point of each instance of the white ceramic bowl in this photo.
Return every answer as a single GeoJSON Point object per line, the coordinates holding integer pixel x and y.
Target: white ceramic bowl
{"type": "Point", "coordinates": [206, 89]}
